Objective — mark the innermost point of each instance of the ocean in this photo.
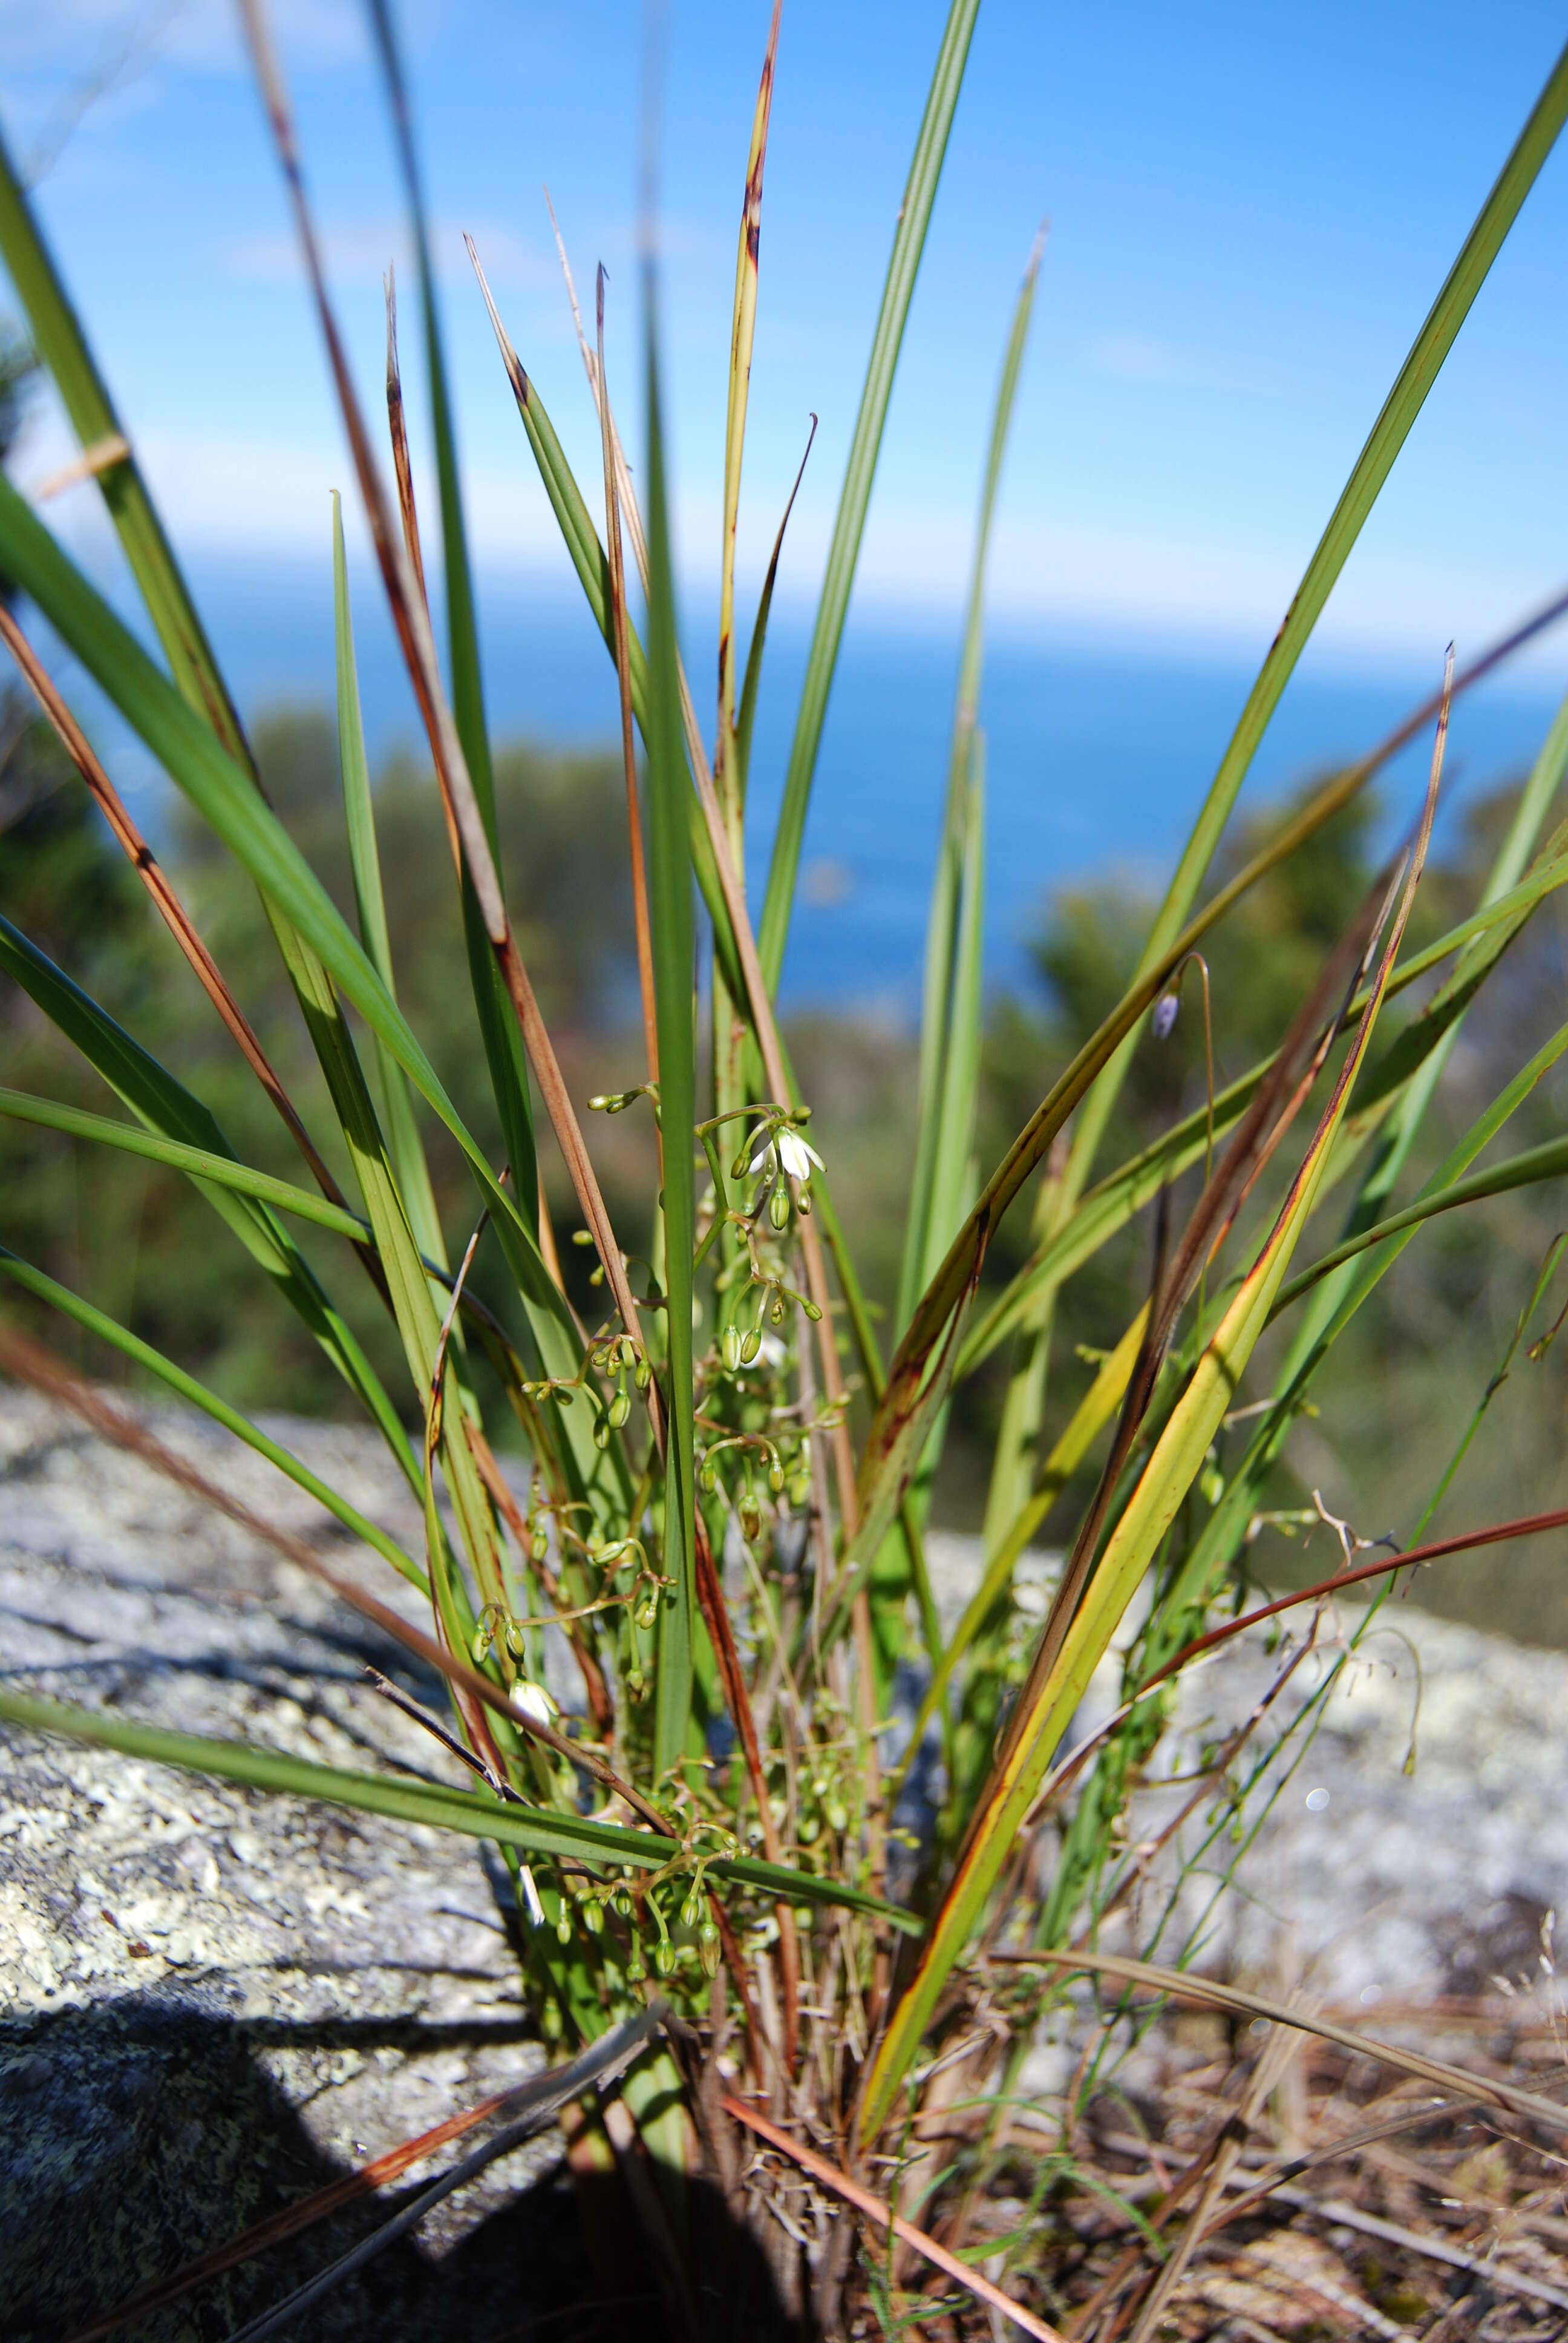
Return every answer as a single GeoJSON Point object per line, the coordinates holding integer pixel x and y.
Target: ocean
{"type": "Point", "coordinates": [1097, 754]}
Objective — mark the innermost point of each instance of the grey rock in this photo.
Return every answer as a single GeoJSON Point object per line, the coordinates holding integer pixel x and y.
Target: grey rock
{"type": "Point", "coordinates": [1404, 1830]}
{"type": "Point", "coordinates": [214, 2002]}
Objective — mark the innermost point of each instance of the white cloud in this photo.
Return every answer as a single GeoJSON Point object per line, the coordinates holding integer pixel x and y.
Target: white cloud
{"type": "Point", "coordinates": [1143, 357]}
{"type": "Point", "coordinates": [78, 39]}
{"type": "Point", "coordinates": [356, 253]}
{"type": "Point", "coordinates": [231, 495]}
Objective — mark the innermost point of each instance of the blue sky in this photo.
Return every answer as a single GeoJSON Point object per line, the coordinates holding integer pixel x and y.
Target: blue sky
{"type": "Point", "coordinates": [1252, 208]}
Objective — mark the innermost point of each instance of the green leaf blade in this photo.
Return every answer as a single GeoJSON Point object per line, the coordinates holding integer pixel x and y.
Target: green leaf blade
{"type": "Point", "coordinates": [854, 501]}
{"type": "Point", "coordinates": [670, 910]}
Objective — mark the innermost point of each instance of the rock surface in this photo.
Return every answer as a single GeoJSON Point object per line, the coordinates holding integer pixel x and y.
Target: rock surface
{"type": "Point", "coordinates": [1404, 1826]}
{"type": "Point", "coordinates": [213, 2002]}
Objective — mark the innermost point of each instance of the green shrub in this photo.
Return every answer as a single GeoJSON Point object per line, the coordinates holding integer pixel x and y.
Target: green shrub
{"type": "Point", "coordinates": [736, 1558]}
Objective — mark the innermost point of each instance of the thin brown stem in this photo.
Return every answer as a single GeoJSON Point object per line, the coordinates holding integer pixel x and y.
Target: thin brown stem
{"type": "Point", "coordinates": [140, 855]}
{"type": "Point", "coordinates": [412, 622]}
{"type": "Point", "coordinates": [398, 426]}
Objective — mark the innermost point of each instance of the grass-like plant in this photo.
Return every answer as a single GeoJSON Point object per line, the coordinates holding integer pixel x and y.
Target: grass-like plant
{"type": "Point", "coordinates": [727, 1478]}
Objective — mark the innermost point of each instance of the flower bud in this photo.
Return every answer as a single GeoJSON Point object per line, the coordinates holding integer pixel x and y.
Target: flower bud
{"type": "Point", "coordinates": [564, 1927]}
{"type": "Point", "coordinates": [777, 1312]}
{"type": "Point", "coordinates": [647, 1612]}
{"type": "Point", "coordinates": [803, 1201]}
{"type": "Point", "coordinates": [664, 1958]}
{"type": "Point", "coordinates": [751, 1343]}
{"type": "Point", "coordinates": [836, 1814]}
{"type": "Point", "coordinates": [514, 1639]}
{"type": "Point", "coordinates": [636, 1682]}
{"type": "Point", "coordinates": [481, 1645]}
{"type": "Point", "coordinates": [707, 1479]}
{"type": "Point", "coordinates": [601, 1433]}
{"type": "Point", "coordinates": [779, 1208]}
{"type": "Point", "coordinates": [750, 1517]}
{"type": "Point", "coordinates": [532, 1700]}
{"type": "Point", "coordinates": [691, 1910]}
{"type": "Point", "coordinates": [593, 1916]}
{"type": "Point", "coordinates": [642, 1374]}
{"type": "Point", "coordinates": [635, 1968]}
{"type": "Point", "coordinates": [618, 1411]}
{"type": "Point", "coordinates": [776, 1477]}
{"type": "Point", "coordinates": [621, 1900]}
{"type": "Point", "coordinates": [733, 1347]}
{"type": "Point", "coordinates": [708, 1949]}
{"type": "Point", "coordinates": [539, 1544]}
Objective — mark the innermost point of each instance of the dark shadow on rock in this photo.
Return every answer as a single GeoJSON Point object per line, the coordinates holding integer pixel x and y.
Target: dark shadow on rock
{"type": "Point", "coordinates": [139, 2134]}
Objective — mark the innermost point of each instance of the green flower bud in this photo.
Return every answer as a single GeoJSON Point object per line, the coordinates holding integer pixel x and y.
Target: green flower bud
{"type": "Point", "coordinates": [564, 1927]}
{"type": "Point", "coordinates": [636, 1970]}
{"type": "Point", "coordinates": [750, 1517]}
{"type": "Point", "coordinates": [838, 1814]}
{"type": "Point", "coordinates": [708, 1950]}
{"type": "Point", "coordinates": [707, 1479]}
{"type": "Point", "coordinates": [514, 1639]}
{"type": "Point", "coordinates": [803, 1201]}
{"type": "Point", "coordinates": [779, 1208]}
{"type": "Point", "coordinates": [647, 1612]}
{"type": "Point", "coordinates": [481, 1645]}
{"type": "Point", "coordinates": [593, 1916]}
{"type": "Point", "coordinates": [618, 1411]}
{"type": "Point", "coordinates": [636, 1682]}
{"type": "Point", "coordinates": [733, 1347]}
{"type": "Point", "coordinates": [777, 1312]}
{"type": "Point", "coordinates": [601, 1433]}
{"type": "Point", "coordinates": [642, 1374]}
{"type": "Point", "coordinates": [621, 1900]}
{"type": "Point", "coordinates": [562, 1395]}
{"type": "Point", "coordinates": [776, 1478]}
{"type": "Point", "coordinates": [810, 1830]}
{"type": "Point", "coordinates": [664, 1958]}
{"type": "Point", "coordinates": [751, 1343]}
{"type": "Point", "coordinates": [539, 1544]}
{"type": "Point", "coordinates": [691, 1910]}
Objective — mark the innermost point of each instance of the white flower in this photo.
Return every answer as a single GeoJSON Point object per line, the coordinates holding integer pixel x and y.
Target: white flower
{"type": "Point", "coordinates": [796, 1156]}
{"type": "Point", "coordinates": [532, 1700]}
{"type": "Point", "coordinates": [793, 1153]}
